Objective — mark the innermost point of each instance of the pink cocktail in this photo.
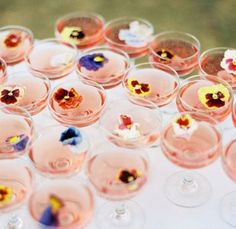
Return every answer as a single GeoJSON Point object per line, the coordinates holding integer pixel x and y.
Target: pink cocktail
{"type": "Point", "coordinates": [103, 65]}
{"type": "Point", "coordinates": [157, 84]}
{"type": "Point", "coordinates": [190, 143]}
{"type": "Point", "coordinates": [16, 182]}
{"type": "Point", "coordinates": [77, 104]}
{"type": "Point", "coordinates": [83, 29]}
{"type": "Point", "coordinates": [178, 50]}
{"type": "Point", "coordinates": [25, 90]}
{"type": "Point", "coordinates": [3, 70]}
{"type": "Point", "coordinates": [59, 151]}
{"type": "Point", "coordinates": [220, 62]}
{"type": "Point", "coordinates": [16, 131]}
{"type": "Point", "coordinates": [132, 126]}
{"type": "Point", "coordinates": [206, 94]}
{"type": "Point", "coordinates": [15, 41]}
{"type": "Point", "coordinates": [61, 204]}
{"type": "Point", "coordinates": [51, 57]}
{"type": "Point", "coordinates": [132, 35]}
{"type": "Point", "coordinates": [118, 174]}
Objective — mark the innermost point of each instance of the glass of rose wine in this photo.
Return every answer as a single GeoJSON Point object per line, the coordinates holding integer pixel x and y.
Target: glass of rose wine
{"type": "Point", "coordinates": [59, 151]}
{"type": "Point", "coordinates": [51, 57]}
{"type": "Point", "coordinates": [104, 65]}
{"type": "Point", "coordinates": [178, 50]}
{"type": "Point", "coordinates": [84, 29]}
{"type": "Point", "coordinates": [206, 94]}
{"type": "Point", "coordinates": [118, 174]}
{"type": "Point", "coordinates": [74, 103]}
{"type": "Point", "coordinates": [131, 125]}
{"type": "Point", "coordinates": [25, 90]}
{"type": "Point", "coordinates": [15, 41]}
{"type": "Point", "coordinates": [61, 204]}
{"type": "Point", "coordinates": [17, 132]}
{"type": "Point", "coordinates": [190, 140]}
{"type": "Point", "coordinates": [132, 35]}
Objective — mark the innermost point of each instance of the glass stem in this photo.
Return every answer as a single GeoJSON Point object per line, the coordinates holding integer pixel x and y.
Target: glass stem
{"type": "Point", "coordinates": [15, 222]}
{"type": "Point", "coordinates": [121, 214]}
{"type": "Point", "coordinates": [188, 184]}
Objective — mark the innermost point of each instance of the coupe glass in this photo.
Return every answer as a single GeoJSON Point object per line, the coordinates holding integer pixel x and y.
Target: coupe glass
{"type": "Point", "coordinates": [191, 140]}
{"type": "Point", "coordinates": [118, 174]}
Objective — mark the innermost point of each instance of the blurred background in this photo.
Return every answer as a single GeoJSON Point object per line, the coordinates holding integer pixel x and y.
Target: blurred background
{"type": "Point", "coordinates": [213, 22]}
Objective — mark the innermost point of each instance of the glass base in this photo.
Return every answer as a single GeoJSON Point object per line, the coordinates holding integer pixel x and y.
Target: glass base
{"type": "Point", "coordinates": [228, 209]}
{"type": "Point", "coordinates": [128, 215]}
{"type": "Point", "coordinates": [187, 189]}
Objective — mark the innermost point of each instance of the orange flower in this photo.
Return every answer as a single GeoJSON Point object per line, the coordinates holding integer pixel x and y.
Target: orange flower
{"type": "Point", "coordinates": [12, 40]}
{"type": "Point", "coordinates": [68, 99]}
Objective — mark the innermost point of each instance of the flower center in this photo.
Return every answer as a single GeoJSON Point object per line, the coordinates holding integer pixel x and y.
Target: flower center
{"type": "Point", "coordinates": [66, 97]}
{"type": "Point", "coordinates": [215, 96]}
{"type": "Point", "coordinates": [98, 59]}
{"type": "Point", "coordinates": [234, 62]}
{"type": "Point", "coordinates": [10, 93]}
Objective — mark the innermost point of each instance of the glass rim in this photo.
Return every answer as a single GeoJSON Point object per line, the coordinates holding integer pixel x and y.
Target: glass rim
{"type": "Point", "coordinates": [152, 66]}
{"type": "Point", "coordinates": [4, 67]}
{"type": "Point", "coordinates": [39, 76]}
{"type": "Point", "coordinates": [155, 108]}
{"type": "Point", "coordinates": [78, 14]}
{"type": "Point", "coordinates": [175, 32]}
{"type": "Point", "coordinates": [207, 51]}
{"type": "Point", "coordinates": [198, 77]}
{"type": "Point", "coordinates": [87, 83]}
{"type": "Point", "coordinates": [80, 182]}
{"type": "Point", "coordinates": [58, 41]}
{"type": "Point", "coordinates": [102, 48]}
{"type": "Point", "coordinates": [120, 19]}
{"type": "Point", "coordinates": [214, 124]}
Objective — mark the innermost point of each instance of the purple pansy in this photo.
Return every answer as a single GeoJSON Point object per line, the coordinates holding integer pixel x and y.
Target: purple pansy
{"type": "Point", "coordinates": [71, 136]}
{"type": "Point", "coordinates": [18, 142]}
{"type": "Point", "coordinates": [93, 62]}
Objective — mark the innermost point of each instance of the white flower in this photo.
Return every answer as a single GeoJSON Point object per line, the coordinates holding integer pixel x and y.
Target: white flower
{"type": "Point", "coordinates": [137, 35]}
{"type": "Point", "coordinates": [61, 59]}
{"type": "Point", "coordinates": [132, 133]}
{"type": "Point", "coordinates": [229, 61]}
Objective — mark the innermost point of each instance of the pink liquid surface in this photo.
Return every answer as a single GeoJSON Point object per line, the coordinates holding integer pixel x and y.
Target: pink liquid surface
{"type": "Point", "coordinates": [88, 111]}
{"type": "Point", "coordinates": [52, 158]}
{"type": "Point", "coordinates": [78, 204]}
{"type": "Point", "coordinates": [110, 74]}
{"type": "Point", "coordinates": [104, 168]}
{"type": "Point", "coordinates": [36, 91]}
{"type": "Point", "coordinates": [211, 65]}
{"type": "Point", "coordinates": [196, 151]}
{"type": "Point", "coordinates": [52, 59]}
{"type": "Point", "coordinates": [229, 160]}
{"type": "Point", "coordinates": [185, 58]}
{"type": "Point", "coordinates": [188, 100]}
{"type": "Point", "coordinates": [14, 55]}
{"type": "Point", "coordinates": [19, 179]}
{"type": "Point", "coordinates": [163, 85]}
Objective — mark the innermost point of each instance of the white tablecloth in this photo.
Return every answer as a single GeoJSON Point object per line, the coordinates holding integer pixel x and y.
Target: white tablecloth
{"type": "Point", "coordinates": [160, 213]}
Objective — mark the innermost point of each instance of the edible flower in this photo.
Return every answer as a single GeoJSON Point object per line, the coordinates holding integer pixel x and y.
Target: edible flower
{"type": "Point", "coordinates": [229, 61]}
{"type": "Point", "coordinates": [214, 96]}
{"type": "Point", "coordinates": [165, 54]}
{"type": "Point", "coordinates": [71, 136]}
{"type": "Point", "coordinates": [12, 40]}
{"type": "Point", "coordinates": [11, 94]}
{"type": "Point", "coordinates": [137, 88]}
{"type": "Point", "coordinates": [72, 34]}
{"type": "Point", "coordinates": [18, 142]}
{"type": "Point", "coordinates": [5, 194]}
{"type": "Point", "coordinates": [68, 99]}
{"type": "Point", "coordinates": [93, 62]}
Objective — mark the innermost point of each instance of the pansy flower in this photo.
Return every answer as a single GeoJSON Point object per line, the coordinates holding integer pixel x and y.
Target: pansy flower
{"type": "Point", "coordinates": [213, 97]}
{"type": "Point", "coordinates": [51, 214]}
{"type": "Point", "coordinates": [127, 128]}
{"type": "Point", "coordinates": [72, 34]}
{"type": "Point", "coordinates": [165, 54]}
{"type": "Point", "coordinates": [71, 136]}
{"type": "Point", "coordinates": [5, 194]}
{"type": "Point", "coordinates": [18, 142]}
{"type": "Point", "coordinates": [93, 62]}
{"type": "Point", "coordinates": [137, 88]}
{"type": "Point", "coordinates": [11, 94]}
{"type": "Point", "coordinates": [67, 99]}
{"type": "Point", "coordinates": [229, 61]}
{"type": "Point", "coordinates": [136, 35]}
{"type": "Point", "coordinates": [12, 40]}
{"type": "Point", "coordinates": [184, 125]}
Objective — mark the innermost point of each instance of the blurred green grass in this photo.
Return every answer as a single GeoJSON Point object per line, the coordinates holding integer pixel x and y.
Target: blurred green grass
{"type": "Point", "coordinates": [213, 22]}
